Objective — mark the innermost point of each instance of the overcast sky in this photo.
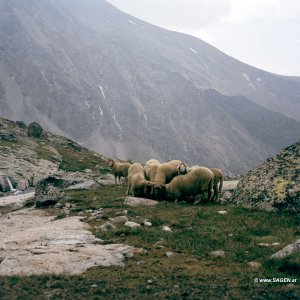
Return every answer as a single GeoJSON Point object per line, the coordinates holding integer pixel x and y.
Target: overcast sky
{"type": "Point", "coordinates": [262, 33]}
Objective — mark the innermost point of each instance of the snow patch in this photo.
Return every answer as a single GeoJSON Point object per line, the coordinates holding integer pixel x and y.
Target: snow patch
{"type": "Point", "coordinates": [131, 22]}
{"type": "Point", "coordinates": [246, 77]}
{"type": "Point", "coordinates": [258, 79]}
{"type": "Point", "coordinates": [249, 81]}
{"type": "Point", "coordinates": [102, 91]}
{"type": "Point", "coordinates": [193, 50]}
{"type": "Point", "coordinates": [101, 111]}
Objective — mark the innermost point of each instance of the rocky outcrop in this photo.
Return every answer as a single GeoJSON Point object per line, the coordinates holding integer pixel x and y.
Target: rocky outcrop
{"type": "Point", "coordinates": [7, 184]}
{"type": "Point", "coordinates": [51, 189]}
{"type": "Point", "coordinates": [23, 165]}
{"type": "Point", "coordinates": [273, 185]}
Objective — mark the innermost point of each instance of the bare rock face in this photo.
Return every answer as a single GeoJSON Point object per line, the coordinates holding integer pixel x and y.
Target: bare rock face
{"type": "Point", "coordinates": [273, 185]}
{"type": "Point", "coordinates": [33, 244]}
{"type": "Point", "coordinates": [6, 183]}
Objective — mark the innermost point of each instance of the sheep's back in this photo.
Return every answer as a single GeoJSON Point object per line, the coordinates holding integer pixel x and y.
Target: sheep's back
{"type": "Point", "coordinates": [166, 172]}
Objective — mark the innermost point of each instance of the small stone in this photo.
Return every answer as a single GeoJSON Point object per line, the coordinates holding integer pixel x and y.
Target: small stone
{"type": "Point", "coordinates": [176, 286]}
{"type": "Point", "coordinates": [95, 218]}
{"type": "Point", "coordinates": [139, 251]}
{"type": "Point", "coordinates": [170, 254]}
{"type": "Point", "coordinates": [81, 213]}
{"type": "Point", "coordinates": [147, 223]}
{"type": "Point", "coordinates": [230, 234]}
{"type": "Point", "coordinates": [223, 212]}
{"type": "Point", "coordinates": [227, 195]}
{"type": "Point", "coordinates": [218, 253]}
{"type": "Point", "coordinates": [275, 244]}
{"type": "Point", "coordinates": [88, 171]}
{"type": "Point", "coordinates": [254, 264]}
{"type": "Point", "coordinates": [166, 228]}
{"type": "Point", "coordinates": [264, 244]}
{"type": "Point", "coordinates": [68, 205]}
{"type": "Point", "coordinates": [58, 205]}
{"type": "Point", "coordinates": [141, 262]}
{"type": "Point", "coordinates": [107, 226]}
{"type": "Point", "coordinates": [132, 224]}
{"type": "Point", "coordinates": [17, 206]}
{"type": "Point", "coordinates": [125, 211]}
{"type": "Point", "coordinates": [121, 220]}
{"type": "Point", "coordinates": [94, 285]}
{"type": "Point", "coordinates": [149, 281]}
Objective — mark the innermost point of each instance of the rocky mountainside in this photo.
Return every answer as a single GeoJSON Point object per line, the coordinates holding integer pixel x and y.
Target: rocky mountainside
{"type": "Point", "coordinates": [135, 91]}
{"type": "Point", "coordinates": [275, 184]}
{"type": "Point", "coordinates": [26, 158]}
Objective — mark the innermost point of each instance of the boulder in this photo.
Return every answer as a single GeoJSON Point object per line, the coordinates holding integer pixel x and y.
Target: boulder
{"type": "Point", "coordinates": [50, 190]}
{"type": "Point", "coordinates": [34, 130]}
{"type": "Point", "coordinates": [273, 185]}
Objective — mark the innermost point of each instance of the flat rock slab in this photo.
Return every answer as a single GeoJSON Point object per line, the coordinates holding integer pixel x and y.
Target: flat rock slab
{"type": "Point", "coordinates": [288, 250]}
{"type": "Point", "coordinates": [34, 243]}
{"type": "Point", "coordinates": [229, 185]}
{"type": "Point", "coordinates": [13, 199]}
{"type": "Point", "coordinates": [135, 201]}
{"type": "Point", "coordinates": [87, 185]}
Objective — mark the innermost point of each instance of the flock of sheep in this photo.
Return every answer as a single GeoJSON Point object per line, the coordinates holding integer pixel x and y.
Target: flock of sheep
{"type": "Point", "coordinates": [172, 180]}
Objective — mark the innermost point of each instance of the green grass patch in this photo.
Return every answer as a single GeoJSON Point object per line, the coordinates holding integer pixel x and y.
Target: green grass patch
{"type": "Point", "coordinates": [192, 273]}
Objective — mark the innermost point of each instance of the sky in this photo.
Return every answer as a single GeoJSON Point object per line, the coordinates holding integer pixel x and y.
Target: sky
{"type": "Point", "coordinates": [261, 33]}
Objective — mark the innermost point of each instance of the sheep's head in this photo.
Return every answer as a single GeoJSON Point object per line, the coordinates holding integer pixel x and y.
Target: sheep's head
{"type": "Point", "coordinates": [110, 162]}
{"type": "Point", "coordinates": [148, 188]}
{"type": "Point", "coordinates": [182, 168]}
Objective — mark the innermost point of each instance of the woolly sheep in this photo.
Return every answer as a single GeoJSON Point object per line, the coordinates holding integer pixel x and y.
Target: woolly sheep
{"type": "Point", "coordinates": [150, 169]}
{"type": "Point", "coordinates": [119, 169]}
{"type": "Point", "coordinates": [195, 182]}
{"type": "Point", "coordinates": [166, 172]}
{"type": "Point", "coordinates": [137, 183]}
{"type": "Point", "coordinates": [218, 177]}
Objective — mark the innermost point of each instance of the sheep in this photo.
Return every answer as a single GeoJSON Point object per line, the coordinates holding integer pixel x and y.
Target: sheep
{"type": "Point", "coordinates": [166, 172]}
{"type": "Point", "coordinates": [119, 169]}
{"type": "Point", "coordinates": [195, 182]}
{"type": "Point", "coordinates": [218, 177]}
{"type": "Point", "coordinates": [137, 183]}
{"type": "Point", "coordinates": [150, 169]}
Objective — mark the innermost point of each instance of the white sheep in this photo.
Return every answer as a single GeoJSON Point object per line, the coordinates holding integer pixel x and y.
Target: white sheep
{"type": "Point", "coordinates": [197, 181]}
{"type": "Point", "coordinates": [166, 172]}
{"type": "Point", "coordinates": [137, 183]}
{"type": "Point", "coordinates": [119, 169]}
{"type": "Point", "coordinates": [218, 177]}
{"type": "Point", "coordinates": [150, 169]}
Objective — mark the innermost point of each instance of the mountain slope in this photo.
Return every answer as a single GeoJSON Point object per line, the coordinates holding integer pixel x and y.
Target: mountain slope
{"type": "Point", "coordinates": [133, 90]}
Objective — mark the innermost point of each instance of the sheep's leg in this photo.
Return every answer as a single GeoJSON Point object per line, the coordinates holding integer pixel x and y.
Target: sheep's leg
{"type": "Point", "coordinates": [128, 188]}
{"type": "Point", "coordinates": [115, 179]}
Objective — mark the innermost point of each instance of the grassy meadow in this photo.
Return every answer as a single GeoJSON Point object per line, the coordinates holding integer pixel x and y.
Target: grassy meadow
{"type": "Point", "coordinates": [192, 272]}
